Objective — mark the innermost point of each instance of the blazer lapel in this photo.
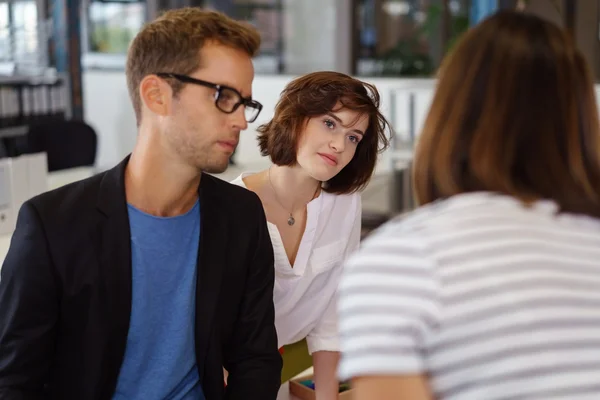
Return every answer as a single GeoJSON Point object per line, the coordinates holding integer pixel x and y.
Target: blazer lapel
{"type": "Point", "coordinates": [211, 251]}
{"type": "Point", "coordinates": [113, 245]}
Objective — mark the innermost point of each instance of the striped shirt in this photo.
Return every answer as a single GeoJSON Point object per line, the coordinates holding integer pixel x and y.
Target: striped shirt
{"type": "Point", "coordinates": [489, 298]}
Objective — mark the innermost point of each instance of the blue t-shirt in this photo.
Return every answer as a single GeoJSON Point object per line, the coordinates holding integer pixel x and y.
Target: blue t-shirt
{"type": "Point", "coordinates": [160, 357]}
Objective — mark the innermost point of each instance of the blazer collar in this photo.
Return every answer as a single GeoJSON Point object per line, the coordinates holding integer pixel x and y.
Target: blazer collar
{"type": "Point", "coordinates": [111, 196]}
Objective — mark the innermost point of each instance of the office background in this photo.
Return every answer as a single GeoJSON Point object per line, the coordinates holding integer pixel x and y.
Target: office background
{"type": "Point", "coordinates": [393, 43]}
{"type": "Point", "coordinates": [63, 89]}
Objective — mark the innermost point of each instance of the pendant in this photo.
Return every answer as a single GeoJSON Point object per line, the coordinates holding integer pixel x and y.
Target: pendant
{"type": "Point", "coordinates": [291, 220]}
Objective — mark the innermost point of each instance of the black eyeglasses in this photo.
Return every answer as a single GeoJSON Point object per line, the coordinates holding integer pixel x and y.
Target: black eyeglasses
{"type": "Point", "coordinates": [227, 99]}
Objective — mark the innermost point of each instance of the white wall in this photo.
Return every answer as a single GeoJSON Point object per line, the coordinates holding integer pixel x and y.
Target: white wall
{"type": "Point", "coordinates": [317, 41]}
{"type": "Point", "coordinates": [108, 110]}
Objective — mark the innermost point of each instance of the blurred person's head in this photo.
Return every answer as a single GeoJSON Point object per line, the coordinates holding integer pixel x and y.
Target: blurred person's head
{"type": "Point", "coordinates": [189, 75]}
{"type": "Point", "coordinates": [515, 113]}
{"type": "Point", "coordinates": [329, 125]}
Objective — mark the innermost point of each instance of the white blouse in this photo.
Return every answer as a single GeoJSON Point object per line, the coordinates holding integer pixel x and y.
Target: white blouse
{"type": "Point", "coordinates": [305, 295]}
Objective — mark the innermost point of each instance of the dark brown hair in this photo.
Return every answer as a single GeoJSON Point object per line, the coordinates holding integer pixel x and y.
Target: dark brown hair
{"type": "Point", "coordinates": [172, 43]}
{"type": "Point", "coordinates": [314, 95]}
{"type": "Point", "coordinates": [515, 113]}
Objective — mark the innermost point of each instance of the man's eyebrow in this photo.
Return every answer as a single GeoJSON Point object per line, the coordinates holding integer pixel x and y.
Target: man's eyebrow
{"type": "Point", "coordinates": [236, 89]}
{"type": "Point", "coordinates": [342, 123]}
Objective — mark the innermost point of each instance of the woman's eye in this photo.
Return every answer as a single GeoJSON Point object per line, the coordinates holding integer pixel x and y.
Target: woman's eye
{"type": "Point", "coordinates": [354, 139]}
{"type": "Point", "coordinates": [329, 123]}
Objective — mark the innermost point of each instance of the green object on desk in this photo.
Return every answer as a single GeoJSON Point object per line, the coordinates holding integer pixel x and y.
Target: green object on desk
{"type": "Point", "coordinates": [295, 360]}
{"type": "Point", "coordinates": [343, 387]}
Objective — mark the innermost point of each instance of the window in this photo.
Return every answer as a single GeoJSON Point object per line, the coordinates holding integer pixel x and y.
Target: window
{"type": "Point", "coordinates": [5, 50]}
{"type": "Point", "coordinates": [112, 25]}
{"type": "Point", "coordinates": [407, 37]}
{"type": "Point", "coordinates": [20, 34]}
{"type": "Point", "coordinates": [25, 32]}
{"type": "Point", "coordinates": [267, 17]}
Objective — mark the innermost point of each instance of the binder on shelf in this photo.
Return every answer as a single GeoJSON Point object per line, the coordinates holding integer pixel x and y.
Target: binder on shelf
{"type": "Point", "coordinates": [9, 109]}
{"type": "Point", "coordinates": [32, 99]}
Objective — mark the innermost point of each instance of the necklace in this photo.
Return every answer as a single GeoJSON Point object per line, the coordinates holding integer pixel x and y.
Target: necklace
{"type": "Point", "coordinates": [291, 220]}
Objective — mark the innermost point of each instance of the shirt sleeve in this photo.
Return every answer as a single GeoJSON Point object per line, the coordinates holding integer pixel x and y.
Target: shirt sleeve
{"type": "Point", "coordinates": [325, 335]}
{"type": "Point", "coordinates": [387, 305]}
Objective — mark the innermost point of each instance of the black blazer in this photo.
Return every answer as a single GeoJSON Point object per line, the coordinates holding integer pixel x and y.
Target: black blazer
{"type": "Point", "coordinates": [65, 294]}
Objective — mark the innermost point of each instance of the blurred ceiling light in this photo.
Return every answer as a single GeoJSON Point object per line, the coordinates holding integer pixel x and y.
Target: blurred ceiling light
{"type": "Point", "coordinates": [396, 8]}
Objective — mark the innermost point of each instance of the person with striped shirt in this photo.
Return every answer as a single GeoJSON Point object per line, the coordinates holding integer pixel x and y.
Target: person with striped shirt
{"type": "Point", "coordinates": [490, 290]}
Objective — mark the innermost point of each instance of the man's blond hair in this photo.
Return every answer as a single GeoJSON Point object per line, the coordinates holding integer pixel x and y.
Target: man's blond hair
{"type": "Point", "coordinates": [172, 42]}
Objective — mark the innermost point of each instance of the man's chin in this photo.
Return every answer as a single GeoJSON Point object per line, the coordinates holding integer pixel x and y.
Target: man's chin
{"type": "Point", "coordinates": [216, 168]}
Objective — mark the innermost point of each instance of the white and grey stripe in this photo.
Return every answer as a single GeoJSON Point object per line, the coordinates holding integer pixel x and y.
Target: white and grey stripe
{"type": "Point", "coordinates": [491, 299]}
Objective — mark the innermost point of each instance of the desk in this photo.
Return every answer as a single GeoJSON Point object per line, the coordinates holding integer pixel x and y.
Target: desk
{"type": "Point", "coordinates": [284, 391]}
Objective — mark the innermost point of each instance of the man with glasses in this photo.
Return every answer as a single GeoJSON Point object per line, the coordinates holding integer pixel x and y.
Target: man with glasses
{"type": "Point", "coordinates": [227, 99]}
{"type": "Point", "coordinates": [145, 281]}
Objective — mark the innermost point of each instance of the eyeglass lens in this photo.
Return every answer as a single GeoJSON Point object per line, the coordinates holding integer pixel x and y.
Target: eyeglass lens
{"type": "Point", "coordinates": [228, 101]}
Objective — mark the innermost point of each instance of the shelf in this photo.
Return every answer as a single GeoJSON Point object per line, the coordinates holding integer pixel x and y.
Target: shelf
{"type": "Point", "coordinates": [13, 131]}
{"type": "Point", "coordinates": [30, 80]}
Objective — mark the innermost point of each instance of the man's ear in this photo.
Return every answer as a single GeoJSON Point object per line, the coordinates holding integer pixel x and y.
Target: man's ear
{"type": "Point", "coordinates": [156, 94]}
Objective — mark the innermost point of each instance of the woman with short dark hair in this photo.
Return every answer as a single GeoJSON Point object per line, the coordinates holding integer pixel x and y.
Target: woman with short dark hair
{"type": "Point", "coordinates": [323, 140]}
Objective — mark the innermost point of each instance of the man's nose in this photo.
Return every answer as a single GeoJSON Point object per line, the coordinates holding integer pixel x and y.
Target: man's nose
{"type": "Point", "coordinates": [239, 118]}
